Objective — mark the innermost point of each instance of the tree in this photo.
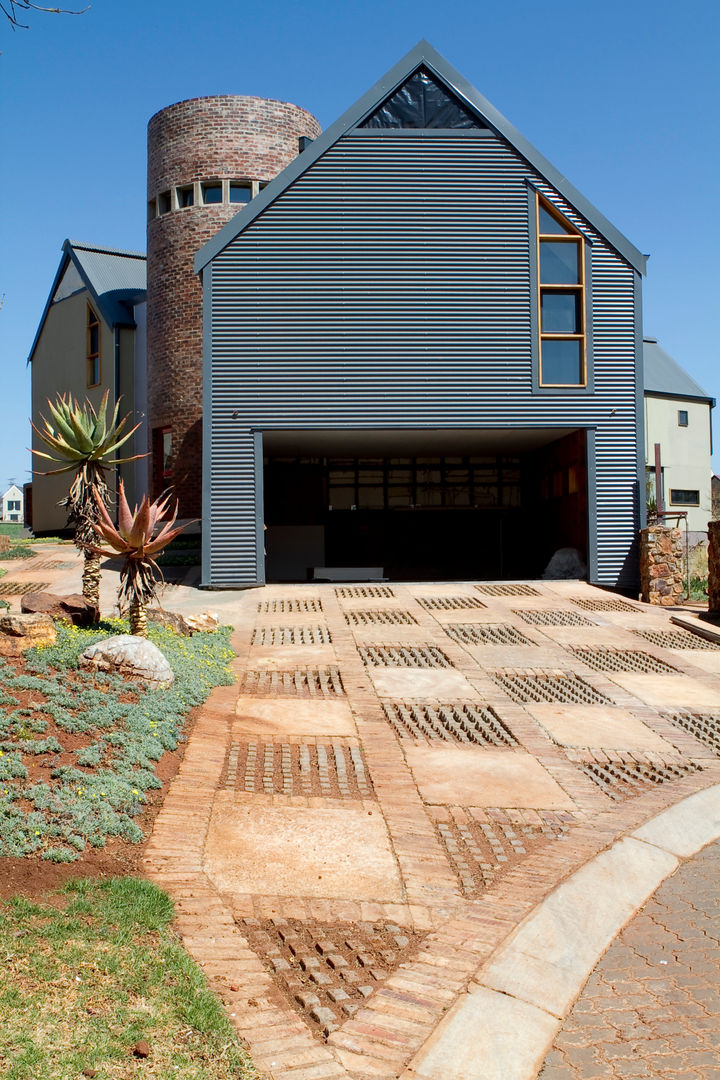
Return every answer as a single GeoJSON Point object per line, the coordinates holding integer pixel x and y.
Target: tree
{"type": "Point", "coordinates": [135, 538]}
{"type": "Point", "coordinates": [84, 442]}
{"type": "Point", "coordinates": [12, 8]}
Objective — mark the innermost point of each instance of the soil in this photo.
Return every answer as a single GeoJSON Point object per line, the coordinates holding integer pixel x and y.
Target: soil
{"type": "Point", "coordinates": [31, 876]}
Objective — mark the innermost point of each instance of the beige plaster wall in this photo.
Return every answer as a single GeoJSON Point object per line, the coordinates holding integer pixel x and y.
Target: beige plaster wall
{"type": "Point", "coordinates": [59, 365]}
{"type": "Point", "coordinates": [685, 452]}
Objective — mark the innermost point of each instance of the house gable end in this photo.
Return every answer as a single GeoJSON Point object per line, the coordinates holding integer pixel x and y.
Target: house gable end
{"type": "Point", "coordinates": [467, 100]}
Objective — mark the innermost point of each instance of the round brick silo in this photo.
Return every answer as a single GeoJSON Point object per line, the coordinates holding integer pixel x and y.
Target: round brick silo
{"type": "Point", "coordinates": [206, 157]}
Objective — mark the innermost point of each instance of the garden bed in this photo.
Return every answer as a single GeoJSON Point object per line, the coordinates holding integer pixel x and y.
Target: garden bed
{"type": "Point", "coordinates": [85, 757]}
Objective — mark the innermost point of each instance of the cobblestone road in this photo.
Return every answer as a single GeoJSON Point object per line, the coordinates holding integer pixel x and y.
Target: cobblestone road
{"type": "Point", "coordinates": [651, 1008]}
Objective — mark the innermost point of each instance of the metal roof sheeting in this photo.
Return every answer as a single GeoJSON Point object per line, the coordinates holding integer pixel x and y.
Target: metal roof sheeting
{"type": "Point", "coordinates": [117, 278]}
{"type": "Point", "coordinates": [664, 376]}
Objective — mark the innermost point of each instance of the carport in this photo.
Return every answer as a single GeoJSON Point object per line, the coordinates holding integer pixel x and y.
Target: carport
{"type": "Point", "coordinates": [419, 505]}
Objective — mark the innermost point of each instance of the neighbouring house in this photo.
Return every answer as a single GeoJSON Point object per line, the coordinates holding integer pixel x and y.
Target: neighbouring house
{"type": "Point", "coordinates": [406, 347]}
{"type": "Point", "coordinates": [12, 505]}
{"type": "Point", "coordinates": [678, 417]}
{"type": "Point", "coordinates": [91, 338]}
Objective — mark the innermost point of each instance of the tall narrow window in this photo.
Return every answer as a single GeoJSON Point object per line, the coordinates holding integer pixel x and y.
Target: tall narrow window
{"type": "Point", "coordinates": [161, 459]}
{"type": "Point", "coordinates": [93, 348]}
{"type": "Point", "coordinates": [561, 299]}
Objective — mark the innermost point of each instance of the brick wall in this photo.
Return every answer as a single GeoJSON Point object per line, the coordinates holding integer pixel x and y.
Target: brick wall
{"type": "Point", "coordinates": [201, 139]}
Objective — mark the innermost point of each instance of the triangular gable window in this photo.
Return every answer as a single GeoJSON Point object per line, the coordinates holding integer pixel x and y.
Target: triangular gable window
{"type": "Point", "coordinates": [422, 102]}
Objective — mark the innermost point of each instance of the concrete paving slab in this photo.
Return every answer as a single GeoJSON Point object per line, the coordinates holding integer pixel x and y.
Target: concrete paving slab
{"type": "Point", "coordinates": [288, 716]}
{"type": "Point", "coordinates": [297, 851]}
{"type": "Point", "coordinates": [669, 691]}
{"type": "Point", "coordinates": [419, 684]}
{"type": "Point", "coordinates": [555, 949]}
{"type": "Point", "coordinates": [479, 1039]}
{"type": "Point", "coordinates": [290, 656]}
{"type": "Point", "coordinates": [472, 776]}
{"type": "Point", "coordinates": [707, 660]}
{"type": "Point", "coordinates": [598, 727]}
{"type": "Point", "coordinates": [686, 828]}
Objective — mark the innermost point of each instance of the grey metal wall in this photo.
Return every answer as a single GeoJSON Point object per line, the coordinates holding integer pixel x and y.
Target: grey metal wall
{"type": "Point", "coordinates": [393, 286]}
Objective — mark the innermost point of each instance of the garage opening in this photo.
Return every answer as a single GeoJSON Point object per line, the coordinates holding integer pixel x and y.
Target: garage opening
{"type": "Point", "coordinates": [479, 505]}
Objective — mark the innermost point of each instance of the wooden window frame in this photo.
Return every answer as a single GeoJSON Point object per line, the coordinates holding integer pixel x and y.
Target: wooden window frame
{"type": "Point", "coordinates": [91, 357]}
{"type": "Point", "coordinates": [570, 235]}
{"type": "Point", "coordinates": [684, 502]}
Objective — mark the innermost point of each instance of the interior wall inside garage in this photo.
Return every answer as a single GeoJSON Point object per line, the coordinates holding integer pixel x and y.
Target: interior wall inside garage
{"type": "Point", "coordinates": [498, 510]}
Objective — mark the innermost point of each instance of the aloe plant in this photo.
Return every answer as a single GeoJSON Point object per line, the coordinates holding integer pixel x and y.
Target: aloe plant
{"type": "Point", "coordinates": [135, 539]}
{"type": "Point", "coordinates": [85, 441]}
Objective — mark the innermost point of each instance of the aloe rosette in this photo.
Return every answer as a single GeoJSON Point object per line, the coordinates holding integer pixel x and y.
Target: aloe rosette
{"type": "Point", "coordinates": [136, 540]}
{"type": "Point", "coordinates": [85, 440]}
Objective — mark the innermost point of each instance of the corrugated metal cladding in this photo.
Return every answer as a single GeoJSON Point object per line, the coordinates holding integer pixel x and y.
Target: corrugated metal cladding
{"type": "Point", "coordinates": [390, 286]}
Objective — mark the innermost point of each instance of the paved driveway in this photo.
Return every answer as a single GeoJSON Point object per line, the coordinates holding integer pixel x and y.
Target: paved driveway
{"type": "Point", "coordinates": [402, 775]}
{"type": "Point", "coordinates": [400, 843]}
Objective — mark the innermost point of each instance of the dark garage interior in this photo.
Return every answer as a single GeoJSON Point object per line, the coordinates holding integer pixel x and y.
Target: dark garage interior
{"type": "Point", "coordinates": [423, 505]}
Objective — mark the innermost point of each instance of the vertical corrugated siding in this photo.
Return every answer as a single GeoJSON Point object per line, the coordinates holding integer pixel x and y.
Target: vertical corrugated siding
{"type": "Point", "coordinates": [390, 286]}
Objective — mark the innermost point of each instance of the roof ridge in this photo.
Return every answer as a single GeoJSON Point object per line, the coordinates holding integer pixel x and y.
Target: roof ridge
{"type": "Point", "coordinates": [80, 246]}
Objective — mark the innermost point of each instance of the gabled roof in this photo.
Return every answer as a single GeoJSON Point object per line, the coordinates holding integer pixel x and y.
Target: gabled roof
{"type": "Point", "coordinates": [665, 377]}
{"type": "Point", "coordinates": [114, 278]}
{"type": "Point", "coordinates": [423, 55]}
{"type": "Point", "coordinates": [12, 492]}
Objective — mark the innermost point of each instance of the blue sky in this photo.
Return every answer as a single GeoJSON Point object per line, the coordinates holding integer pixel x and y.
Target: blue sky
{"type": "Point", "coordinates": [622, 96]}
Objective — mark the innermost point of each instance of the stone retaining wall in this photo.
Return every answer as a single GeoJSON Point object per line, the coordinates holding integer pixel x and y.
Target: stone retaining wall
{"type": "Point", "coordinates": [661, 565]}
{"type": "Point", "coordinates": [714, 566]}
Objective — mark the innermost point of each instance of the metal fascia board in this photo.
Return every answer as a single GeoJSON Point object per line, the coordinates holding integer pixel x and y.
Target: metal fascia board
{"type": "Point", "coordinates": [66, 249]}
{"type": "Point", "coordinates": [640, 401]}
{"type": "Point", "coordinates": [206, 522]}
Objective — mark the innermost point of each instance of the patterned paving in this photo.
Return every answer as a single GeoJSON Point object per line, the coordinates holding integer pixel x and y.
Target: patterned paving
{"type": "Point", "coordinates": [398, 775]}
{"type": "Point", "coordinates": [651, 1008]}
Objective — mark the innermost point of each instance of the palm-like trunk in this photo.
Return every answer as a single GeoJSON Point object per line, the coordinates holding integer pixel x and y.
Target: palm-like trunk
{"type": "Point", "coordinates": [83, 513]}
{"type": "Point", "coordinates": [138, 618]}
{"type": "Point", "coordinates": [91, 581]}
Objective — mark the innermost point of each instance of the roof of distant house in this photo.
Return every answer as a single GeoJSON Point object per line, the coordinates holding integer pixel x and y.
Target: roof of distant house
{"type": "Point", "coordinates": [665, 377]}
{"type": "Point", "coordinates": [115, 279]}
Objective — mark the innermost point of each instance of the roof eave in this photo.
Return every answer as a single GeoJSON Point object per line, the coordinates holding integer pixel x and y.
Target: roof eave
{"type": "Point", "coordinates": [669, 395]}
{"type": "Point", "coordinates": [422, 53]}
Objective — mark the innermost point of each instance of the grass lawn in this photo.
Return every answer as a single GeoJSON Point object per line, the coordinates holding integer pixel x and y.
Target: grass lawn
{"type": "Point", "coordinates": [95, 970]}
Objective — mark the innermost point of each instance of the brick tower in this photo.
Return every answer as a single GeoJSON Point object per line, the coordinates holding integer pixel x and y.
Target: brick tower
{"type": "Point", "coordinates": [206, 158]}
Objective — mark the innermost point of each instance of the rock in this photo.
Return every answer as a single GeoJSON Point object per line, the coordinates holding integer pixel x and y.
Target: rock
{"type": "Point", "coordinates": [73, 608]}
{"type": "Point", "coordinates": [141, 1049]}
{"type": "Point", "coordinates": [20, 632]}
{"type": "Point", "coordinates": [203, 622]}
{"type": "Point", "coordinates": [172, 619]}
{"type": "Point", "coordinates": [87, 1071]}
{"type": "Point", "coordinates": [565, 564]}
{"type": "Point", "coordinates": [131, 656]}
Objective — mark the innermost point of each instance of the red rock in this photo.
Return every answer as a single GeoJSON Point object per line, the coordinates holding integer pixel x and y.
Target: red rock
{"type": "Point", "coordinates": [141, 1049]}
{"type": "Point", "coordinates": [73, 608]}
